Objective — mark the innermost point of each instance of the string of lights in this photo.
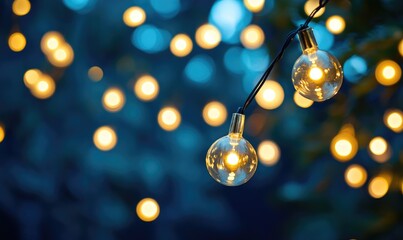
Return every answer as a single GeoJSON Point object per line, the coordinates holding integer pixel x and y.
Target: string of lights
{"type": "Point", "coordinates": [316, 75]}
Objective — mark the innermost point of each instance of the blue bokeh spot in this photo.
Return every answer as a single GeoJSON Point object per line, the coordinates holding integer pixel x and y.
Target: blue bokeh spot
{"type": "Point", "coordinates": [200, 69]}
{"type": "Point", "coordinates": [150, 39]}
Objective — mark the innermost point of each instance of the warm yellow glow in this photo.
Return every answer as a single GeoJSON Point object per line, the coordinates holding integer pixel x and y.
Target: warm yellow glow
{"type": "Point", "coordinates": [95, 73]}
{"type": "Point", "coordinates": [254, 5]}
{"type": "Point", "coordinates": [2, 132]}
{"type": "Point", "coordinates": [31, 77]}
{"type": "Point", "coordinates": [335, 24]}
{"type": "Point", "coordinates": [105, 138]}
{"type": "Point", "coordinates": [134, 16]}
{"type": "Point", "coordinates": [232, 159]}
{"type": "Point", "coordinates": [181, 45]}
{"type": "Point", "coordinates": [17, 42]}
{"type": "Point", "coordinates": [51, 41]}
{"type": "Point", "coordinates": [214, 113]}
{"type": "Point", "coordinates": [268, 152]}
{"type": "Point", "coordinates": [400, 47]}
{"type": "Point", "coordinates": [310, 5]}
{"type": "Point", "coordinates": [393, 119]}
{"type": "Point", "coordinates": [208, 36]}
{"type": "Point", "coordinates": [302, 101]}
{"type": "Point", "coordinates": [169, 118]}
{"type": "Point", "coordinates": [146, 88]}
{"type": "Point", "coordinates": [21, 7]}
{"type": "Point", "coordinates": [316, 74]}
{"type": "Point", "coordinates": [252, 37]}
{"type": "Point", "coordinates": [148, 209]}
{"type": "Point", "coordinates": [62, 56]}
{"type": "Point", "coordinates": [44, 87]}
{"type": "Point", "coordinates": [271, 95]}
{"type": "Point", "coordinates": [388, 72]}
{"type": "Point", "coordinates": [344, 147]}
{"type": "Point", "coordinates": [355, 176]}
{"type": "Point", "coordinates": [113, 99]}
{"type": "Point", "coordinates": [378, 146]}
{"type": "Point", "coordinates": [378, 187]}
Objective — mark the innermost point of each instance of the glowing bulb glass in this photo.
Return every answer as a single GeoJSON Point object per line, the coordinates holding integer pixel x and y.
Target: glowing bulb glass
{"type": "Point", "coordinates": [134, 16]}
{"type": "Point", "coordinates": [316, 75]}
{"type": "Point", "coordinates": [393, 119]}
{"type": "Point", "coordinates": [232, 160]}
{"type": "Point", "coordinates": [355, 176]}
{"type": "Point", "coordinates": [148, 209]}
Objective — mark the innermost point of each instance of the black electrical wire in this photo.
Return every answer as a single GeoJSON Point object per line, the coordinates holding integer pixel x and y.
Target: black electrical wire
{"type": "Point", "coordinates": [287, 42]}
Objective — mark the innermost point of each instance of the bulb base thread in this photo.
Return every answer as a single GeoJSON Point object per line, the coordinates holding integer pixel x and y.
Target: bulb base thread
{"type": "Point", "coordinates": [237, 125]}
{"type": "Point", "coordinates": [307, 39]}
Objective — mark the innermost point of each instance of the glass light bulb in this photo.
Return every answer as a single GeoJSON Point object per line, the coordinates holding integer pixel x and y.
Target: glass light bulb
{"type": "Point", "coordinates": [316, 75]}
{"type": "Point", "coordinates": [232, 160]}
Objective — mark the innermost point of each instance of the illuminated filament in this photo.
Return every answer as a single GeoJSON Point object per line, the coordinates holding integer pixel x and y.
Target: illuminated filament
{"type": "Point", "coordinates": [316, 74]}
{"type": "Point", "coordinates": [232, 159]}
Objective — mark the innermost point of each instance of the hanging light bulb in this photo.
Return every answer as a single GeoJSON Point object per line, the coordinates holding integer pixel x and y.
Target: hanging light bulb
{"type": "Point", "coordinates": [232, 160]}
{"type": "Point", "coordinates": [316, 75]}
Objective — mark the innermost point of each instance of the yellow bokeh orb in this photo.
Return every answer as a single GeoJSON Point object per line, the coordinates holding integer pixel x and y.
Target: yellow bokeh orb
{"type": "Point", "coordinates": [310, 5]}
{"type": "Point", "coordinates": [355, 176]}
{"type": "Point", "coordinates": [17, 42]}
{"type": "Point", "coordinates": [31, 77]}
{"type": "Point", "coordinates": [2, 132]}
{"type": "Point", "coordinates": [344, 147]}
{"type": "Point", "coordinates": [113, 99]}
{"type": "Point", "coordinates": [134, 16]}
{"type": "Point", "coordinates": [214, 113]}
{"type": "Point", "coordinates": [208, 36]}
{"type": "Point", "coordinates": [271, 95]}
{"type": "Point", "coordinates": [169, 118]}
{"type": "Point", "coordinates": [254, 5]}
{"type": "Point", "coordinates": [393, 119]}
{"type": "Point", "coordinates": [252, 37]}
{"type": "Point", "coordinates": [146, 88]}
{"type": "Point", "coordinates": [95, 73]}
{"type": "Point", "coordinates": [335, 24]}
{"type": "Point", "coordinates": [388, 72]}
{"type": "Point", "coordinates": [21, 7]}
{"type": "Point", "coordinates": [378, 187]}
{"type": "Point", "coordinates": [62, 56]}
{"type": "Point", "coordinates": [148, 209]}
{"type": "Point", "coordinates": [302, 101]}
{"type": "Point", "coordinates": [105, 138]}
{"type": "Point", "coordinates": [51, 41]}
{"type": "Point", "coordinates": [181, 45]}
{"type": "Point", "coordinates": [43, 88]}
{"type": "Point", "coordinates": [378, 146]}
{"type": "Point", "coordinates": [268, 152]}
{"type": "Point", "coordinates": [400, 47]}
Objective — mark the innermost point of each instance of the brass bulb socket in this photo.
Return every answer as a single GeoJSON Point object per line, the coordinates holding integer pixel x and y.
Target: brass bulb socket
{"type": "Point", "coordinates": [307, 39]}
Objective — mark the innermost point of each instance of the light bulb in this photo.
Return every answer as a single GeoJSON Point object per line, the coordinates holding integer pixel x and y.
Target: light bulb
{"type": "Point", "coordinates": [232, 160]}
{"type": "Point", "coordinates": [316, 75]}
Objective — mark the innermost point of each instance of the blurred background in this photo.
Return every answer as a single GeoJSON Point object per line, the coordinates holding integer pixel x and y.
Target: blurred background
{"type": "Point", "coordinates": [107, 110]}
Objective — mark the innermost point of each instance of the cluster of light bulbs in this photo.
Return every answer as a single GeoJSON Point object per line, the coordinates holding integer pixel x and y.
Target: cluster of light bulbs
{"type": "Point", "coordinates": [317, 76]}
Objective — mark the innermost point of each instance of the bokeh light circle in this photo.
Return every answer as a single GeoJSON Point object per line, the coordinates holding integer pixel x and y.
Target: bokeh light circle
{"type": "Point", "coordinates": [134, 16]}
{"type": "Point", "coordinates": [21, 7]}
{"type": "Point", "coordinates": [44, 87]}
{"type": "Point", "coordinates": [181, 45]}
{"type": "Point", "coordinates": [271, 95]}
{"type": "Point", "coordinates": [310, 5]}
{"type": "Point", "coordinates": [388, 72]}
{"type": "Point", "coordinates": [254, 5]}
{"type": "Point", "coordinates": [268, 152]}
{"type": "Point", "coordinates": [214, 113]}
{"type": "Point", "coordinates": [105, 138]}
{"type": "Point", "coordinates": [378, 187]}
{"type": "Point", "coordinates": [169, 118]}
{"type": "Point", "coordinates": [302, 101]}
{"type": "Point", "coordinates": [393, 119]}
{"type": "Point", "coordinates": [31, 77]}
{"type": "Point", "coordinates": [335, 24]}
{"type": "Point", "coordinates": [207, 36]}
{"type": "Point", "coordinates": [17, 42]}
{"type": "Point", "coordinates": [252, 37]}
{"type": "Point", "coordinates": [146, 88]}
{"type": "Point", "coordinates": [148, 209]}
{"type": "Point", "coordinates": [95, 73]}
{"type": "Point", "coordinates": [355, 176]}
{"type": "Point", "coordinates": [113, 99]}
